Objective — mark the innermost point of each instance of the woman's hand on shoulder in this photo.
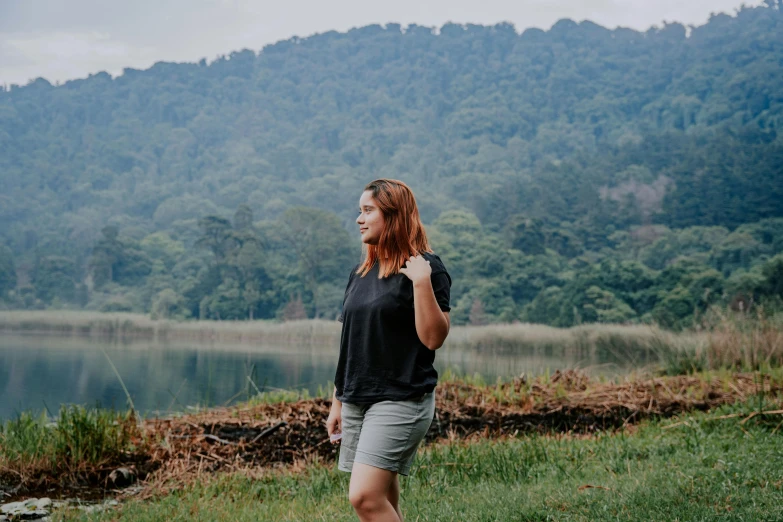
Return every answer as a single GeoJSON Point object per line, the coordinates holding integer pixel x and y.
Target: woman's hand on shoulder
{"type": "Point", "coordinates": [417, 269]}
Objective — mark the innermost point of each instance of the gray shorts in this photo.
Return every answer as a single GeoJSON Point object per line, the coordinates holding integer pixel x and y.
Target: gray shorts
{"type": "Point", "coordinates": [385, 434]}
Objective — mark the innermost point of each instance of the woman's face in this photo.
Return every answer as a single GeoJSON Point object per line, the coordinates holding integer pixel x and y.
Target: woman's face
{"type": "Point", "coordinates": [370, 219]}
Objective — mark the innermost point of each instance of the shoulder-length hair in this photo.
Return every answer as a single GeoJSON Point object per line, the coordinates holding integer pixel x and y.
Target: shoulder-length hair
{"type": "Point", "coordinates": [403, 233]}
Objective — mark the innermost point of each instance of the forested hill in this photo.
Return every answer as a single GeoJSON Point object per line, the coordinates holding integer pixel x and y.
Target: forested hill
{"type": "Point", "coordinates": [550, 142]}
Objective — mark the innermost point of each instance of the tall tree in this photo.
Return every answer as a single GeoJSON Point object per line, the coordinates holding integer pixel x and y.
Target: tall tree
{"type": "Point", "coordinates": [321, 244]}
{"type": "Point", "coordinates": [7, 271]}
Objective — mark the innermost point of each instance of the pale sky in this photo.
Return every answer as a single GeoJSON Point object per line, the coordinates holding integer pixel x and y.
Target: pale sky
{"type": "Point", "coordinates": [65, 39]}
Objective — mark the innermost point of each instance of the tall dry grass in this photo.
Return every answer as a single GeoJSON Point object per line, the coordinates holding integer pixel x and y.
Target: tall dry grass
{"type": "Point", "coordinates": [744, 341]}
{"type": "Point", "coordinates": [628, 345]}
{"type": "Point", "coordinates": [121, 325]}
{"type": "Point", "coordinates": [725, 339]}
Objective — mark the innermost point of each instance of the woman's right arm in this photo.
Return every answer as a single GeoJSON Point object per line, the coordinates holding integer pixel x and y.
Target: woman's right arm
{"type": "Point", "coordinates": [336, 403]}
{"type": "Point", "coordinates": [334, 423]}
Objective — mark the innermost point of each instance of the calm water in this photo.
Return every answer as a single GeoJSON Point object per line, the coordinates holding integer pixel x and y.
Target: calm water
{"type": "Point", "coordinates": [38, 373]}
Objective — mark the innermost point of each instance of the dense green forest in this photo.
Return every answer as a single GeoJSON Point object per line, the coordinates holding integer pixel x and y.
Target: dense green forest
{"type": "Point", "coordinates": [573, 175]}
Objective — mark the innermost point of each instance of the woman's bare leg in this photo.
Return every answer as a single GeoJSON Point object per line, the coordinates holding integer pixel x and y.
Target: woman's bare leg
{"type": "Point", "coordinates": [394, 495]}
{"type": "Point", "coordinates": [369, 493]}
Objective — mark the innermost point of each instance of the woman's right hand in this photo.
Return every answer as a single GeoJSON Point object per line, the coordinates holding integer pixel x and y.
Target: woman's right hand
{"type": "Point", "coordinates": [334, 423]}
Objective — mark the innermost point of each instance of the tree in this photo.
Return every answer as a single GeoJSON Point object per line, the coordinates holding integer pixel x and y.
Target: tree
{"type": "Point", "coordinates": [744, 288]}
{"type": "Point", "coordinates": [168, 304]}
{"type": "Point", "coordinates": [526, 234]}
{"type": "Point", "coordinates": [675, 308]}
{"type": "Point", "coordinates": [216, 236]}
{"type": "Point", "coordinates": [252, 296]}
{"type": "Point", "coordinates": [161, 246]}
{"type": "Point", "coordinates": [321, 244]}
{"type": "Point", "coordinates": [225, 303]}
{"type": "Point", "coordinates": [602, 306]}
{"type": "Point", "coordinates": [132, 266]}
{"type": "Point", "coordinates": [773, 274]}
{"type": "Point", "coordinates": [534, 158]}
{"type": "Point", "coordinates": [243, 218]}
{"type": "Point", "coordinates": [105, 255]}
{"type": "Point", "coordinates": [53, 277]}
{"type": "Point", "coordinates": [119, 260]}
{"type": "Point", "coordinates": [294, 309]}
{"type": "Point", "coordinates": [7, 271]}
{"type": "Point", "coordinates": [477, 316]}
{"type": "Point", "coordinates": [737, 250]}
{"type": "Point", "coordinates": [547, 307]}
{"type": "Point", "coordinates": [706, 288]}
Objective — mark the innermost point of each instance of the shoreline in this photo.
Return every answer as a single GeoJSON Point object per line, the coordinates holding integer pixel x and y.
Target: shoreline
{"type": "Point", "coordinates": [129, 326]}
{"type": "Point", "coordinates": [497, 338]}
{"type": "Point", "coordinates": [170, 452]}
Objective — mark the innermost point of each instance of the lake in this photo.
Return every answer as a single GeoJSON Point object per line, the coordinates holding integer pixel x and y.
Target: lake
{"type": "Point", "coordinates": [39, 373]}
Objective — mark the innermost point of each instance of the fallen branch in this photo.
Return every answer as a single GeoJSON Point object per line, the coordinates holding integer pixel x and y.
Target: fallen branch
{"type": "Point", "coordinates": [268, 431]}
{"type": "Point", "coordinates": [771, 412]}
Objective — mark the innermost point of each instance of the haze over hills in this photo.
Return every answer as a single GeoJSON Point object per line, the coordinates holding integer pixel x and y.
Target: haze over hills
{"type": "Point", "coordinates": [561, 173]}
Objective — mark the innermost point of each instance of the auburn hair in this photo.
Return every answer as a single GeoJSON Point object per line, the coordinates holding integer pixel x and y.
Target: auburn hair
{"type": "Point", "coordinates": [403, 233]}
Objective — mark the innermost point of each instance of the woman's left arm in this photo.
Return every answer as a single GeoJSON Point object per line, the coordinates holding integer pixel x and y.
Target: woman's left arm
{"type": "Point", "coordinates": [432, 324]}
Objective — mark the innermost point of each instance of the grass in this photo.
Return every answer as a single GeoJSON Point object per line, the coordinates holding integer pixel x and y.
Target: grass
{"type": "Point", "coordinates": [612, 338]}
{"type": "Point", "coordinates": [724, 339]}
{"type": "Point", "coordinates": [123, 325]}
{"type": "Point", "coordinates": [82, 446]}
{"type": "Point", "coordinates": [743, 341]}
{"type": "Point", "coordinates": [629, 344]}
{"type": "Point", "coordinates": [79, 439]}
{"type": "Point", "coordinates": [738, 341]}
{"type": "Point", "coordinates": [720, 465]}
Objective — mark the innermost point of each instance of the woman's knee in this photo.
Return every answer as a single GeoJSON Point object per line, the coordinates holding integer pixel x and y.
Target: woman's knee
{"type": "Point", "coordinates": [366, 500]}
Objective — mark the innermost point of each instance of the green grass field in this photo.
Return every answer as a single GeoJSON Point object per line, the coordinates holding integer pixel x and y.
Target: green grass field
{"type": "Point", "coordinates": [719, 465]}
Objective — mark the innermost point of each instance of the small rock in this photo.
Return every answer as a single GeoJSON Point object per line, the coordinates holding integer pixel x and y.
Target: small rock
{"type": "Point", "coordinates": [132, 490]}
{"type": "Point", "coordinates": [30, 509]}
{"type": "Point", "coordinates": [97, 508]}
{"type": "Point", "coordinates": [11, 508]}
{"type": "Point", "coordinates": [33, 514]}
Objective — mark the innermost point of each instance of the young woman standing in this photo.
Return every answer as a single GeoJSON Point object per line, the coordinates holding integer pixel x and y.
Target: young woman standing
{"type": "Point", "coordinates": [395, 315]}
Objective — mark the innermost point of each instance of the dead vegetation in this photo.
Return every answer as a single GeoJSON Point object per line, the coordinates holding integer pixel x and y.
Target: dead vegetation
{"type": "Point", "coordinates": [253, 438]}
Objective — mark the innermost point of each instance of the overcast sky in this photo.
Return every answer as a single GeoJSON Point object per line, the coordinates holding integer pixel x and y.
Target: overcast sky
{"type": "Point", "coordinates": [65, 39]}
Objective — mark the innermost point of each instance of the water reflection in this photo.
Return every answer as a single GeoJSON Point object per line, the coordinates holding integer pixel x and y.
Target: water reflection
{"type": "Point", "coordinates": [38, 373]}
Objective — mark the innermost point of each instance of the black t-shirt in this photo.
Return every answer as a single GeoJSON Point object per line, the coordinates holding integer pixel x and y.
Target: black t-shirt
{"type": "Point", "coordinates": [381, 356]}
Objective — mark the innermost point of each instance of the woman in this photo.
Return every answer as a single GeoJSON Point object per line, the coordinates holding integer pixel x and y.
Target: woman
{"type": "Point", "coordinates": [395, 315]}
